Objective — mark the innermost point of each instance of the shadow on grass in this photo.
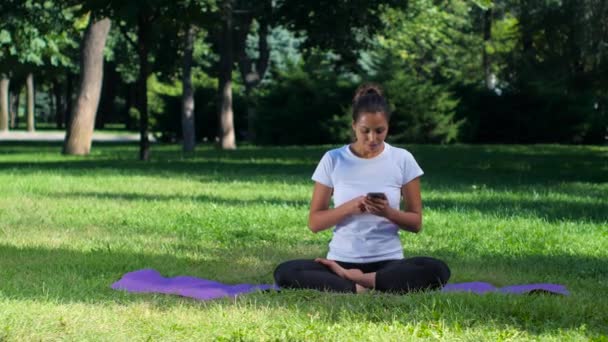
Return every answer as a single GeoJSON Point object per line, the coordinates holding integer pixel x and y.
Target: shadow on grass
{"type": "Point", "coordinates": [63, 275]}
{"type": "Point", "coordinates": [445, 166]}
{"type": "Point", "coordinates": [206, 169]}
{"type": "Point", "coordinates": [185, 198]}
{"type": "Point", "coordinates": [74, 276]}
{"type": "Point", "coordinates": [454, 168]}
{"type": "Point", "coordinates": [552, 210]}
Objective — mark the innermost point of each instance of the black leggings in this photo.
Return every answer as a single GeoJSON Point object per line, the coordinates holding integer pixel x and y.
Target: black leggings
{"type": "Point", "coordinates": [398, 276]}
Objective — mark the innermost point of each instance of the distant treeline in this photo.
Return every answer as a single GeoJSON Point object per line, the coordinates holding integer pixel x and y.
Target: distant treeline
{"type": "Point", "coordinates": [283, 72]}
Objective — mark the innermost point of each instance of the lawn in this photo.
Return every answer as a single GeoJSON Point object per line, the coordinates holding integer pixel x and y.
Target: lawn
{"type": "Point", "coordinates": [71, 226]}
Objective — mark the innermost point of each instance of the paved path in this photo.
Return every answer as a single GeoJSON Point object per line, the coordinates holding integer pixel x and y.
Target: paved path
{"type": "Point", "coordinates": [58, 136]}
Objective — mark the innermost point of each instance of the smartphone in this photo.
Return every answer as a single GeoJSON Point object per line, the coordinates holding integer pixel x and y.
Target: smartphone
{"type": "Point", "coordinates": [379, 195]}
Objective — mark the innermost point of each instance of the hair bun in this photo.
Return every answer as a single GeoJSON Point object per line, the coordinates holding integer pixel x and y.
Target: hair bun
{"type": "Point", "coordinates": [366, 90]}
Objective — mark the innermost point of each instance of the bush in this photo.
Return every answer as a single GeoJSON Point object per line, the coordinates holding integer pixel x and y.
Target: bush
{"type": "Point", "coordinates": [532, 117]}
{"type": "Point", "coordinates": [423, 112]}
{"type": "Point", "coordinates": [303, 107]}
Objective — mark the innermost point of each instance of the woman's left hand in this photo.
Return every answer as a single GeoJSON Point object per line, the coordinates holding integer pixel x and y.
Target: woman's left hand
{"type": "Point", "coordinates": [377, 206]}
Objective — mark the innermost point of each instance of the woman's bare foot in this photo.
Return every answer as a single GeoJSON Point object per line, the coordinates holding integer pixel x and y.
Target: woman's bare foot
{"type": "Point", "coordinates": [361, 289]}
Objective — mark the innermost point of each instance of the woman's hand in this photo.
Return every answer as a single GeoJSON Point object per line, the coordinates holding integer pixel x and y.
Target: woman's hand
{"type": "Point", "coordinates": [377, 206]}
{"type": "Point", "coordinates": [322, 217]}
{"type": "Point", "coordinates": [356, 205]}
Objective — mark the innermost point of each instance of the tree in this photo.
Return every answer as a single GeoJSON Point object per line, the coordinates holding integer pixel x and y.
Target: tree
{"type": "Point", "coordinates": [340, 27]}
{"type": "Point", "coordinates": [141, 23]}
{"type": "Point", "coordinates": [14, 103]}
{"type": "Point", "coordinates": [82, 121]}
{"type": "Point", "coordinates": [34, 35]}
{"type": "Point", "coordinates": [135, 18]}
{"type": "Point", "coordinates": [226, 116]}
{"type": "Point", "coordinates": [421, 55]}
{"type": "Point", "coordinates": [253, 69]}
{"type": "Point", "coordinates": [555, 71]}
{"type": "Point", "coordinates": [188, 131]}
{"type": "Point", "coordinates": [195, 13]}
{"type": "Point", "coordinates": [29, 90]}
{"type": "Point", "coordinates": [4, 104]}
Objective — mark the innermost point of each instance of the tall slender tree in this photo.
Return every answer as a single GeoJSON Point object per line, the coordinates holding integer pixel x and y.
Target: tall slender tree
{"type": "Point", "coordinates": [4, 103]}
{"type": "Point", "coordinates": [14, 104]}
{"type": "Point", "coordinates": [253, 69]}
{"type": "Point", "coordinates": [31, 98]}
{"type": "Point", "coordinates": [188, 126]}
{"type": "Point", "coordinates": [226, 116]}
{"type": "Point", "coordinates": [82, 121]}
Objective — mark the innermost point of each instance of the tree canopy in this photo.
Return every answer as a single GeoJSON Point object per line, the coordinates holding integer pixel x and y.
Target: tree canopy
{"type": "Point", "coordinates": [464, 70]}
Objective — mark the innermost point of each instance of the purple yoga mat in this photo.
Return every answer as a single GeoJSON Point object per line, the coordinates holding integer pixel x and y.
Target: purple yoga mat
{"type": "Point", "coordinates": [149, 280]}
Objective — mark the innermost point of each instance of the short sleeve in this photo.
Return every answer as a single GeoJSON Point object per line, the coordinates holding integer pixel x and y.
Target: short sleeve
{"type": "Point", "coordinates": [411, 169]}
{"type": "Point", "coordinates": [324, 170]}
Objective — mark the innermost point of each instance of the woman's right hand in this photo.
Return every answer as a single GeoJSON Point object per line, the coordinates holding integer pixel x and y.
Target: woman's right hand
{"type": "Point", "coordinates": [356, 205]}
{"type": "Point", "coordinates": [322, 217]}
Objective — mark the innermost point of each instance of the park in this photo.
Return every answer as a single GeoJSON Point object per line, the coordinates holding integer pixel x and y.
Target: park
{"type": "Point", "coordinates": [185, 143]}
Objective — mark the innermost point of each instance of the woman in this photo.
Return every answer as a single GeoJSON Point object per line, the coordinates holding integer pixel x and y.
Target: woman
{"type": "Point", "coordinates": [367, 179]}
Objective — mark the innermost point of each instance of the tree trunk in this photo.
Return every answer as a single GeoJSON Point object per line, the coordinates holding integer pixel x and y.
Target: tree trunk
{"type": "Point", "coordinates": [226, 117]}
{"type": "Point", "coordinates": [142, 85]}
{"type": "Point", "coordinates": [14, 103]}
{"type": "Point", "coordinates": [4, 105]}
{"type": "Point", "coordinates": [29, 85]}
{"type": "Point", "coordinates": [252, 72]}
{"type": "Point", "coordinates": [487, 37]}
{"type": "Point", "coordinates": [59, 112]}
{"type": "Point", "coordinates": [188, 130]}
{"type": "Point", "coordinates": [80, 131]}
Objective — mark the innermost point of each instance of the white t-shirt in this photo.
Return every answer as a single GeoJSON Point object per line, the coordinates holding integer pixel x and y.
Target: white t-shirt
{"type": "Point", "coordinates": [366, 237]}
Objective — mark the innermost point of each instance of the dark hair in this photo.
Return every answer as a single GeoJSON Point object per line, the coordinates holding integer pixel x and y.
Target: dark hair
{"type": "Point", "coordinates": [369, 98]}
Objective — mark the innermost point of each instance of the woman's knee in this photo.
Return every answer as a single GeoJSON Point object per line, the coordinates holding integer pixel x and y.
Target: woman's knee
{"type": "Point", "coordinates": [286, 272]}
{"type": "Point", "coordinates": [438, 268]}
{"type": "Point", "coordinates": [443, 271]}
{"type": "Point", "coordinates": [283, 272]}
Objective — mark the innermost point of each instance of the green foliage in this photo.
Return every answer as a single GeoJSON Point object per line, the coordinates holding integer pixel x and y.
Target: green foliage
{"type": "Point", "coordinates": [549, 60]}
{"type": "Point", "coordinates": [285, 48]}
{"type": "Point", "coordinates": [423, 112]}
{"type": "Point", "coordinates": [120, 51]}
{"type": "Point", "coordinates": [548, 66]}
{"type": "Point", "coordinates": [38, 34]}
{"type": "Point", "coordinates": [339, 27]}
{"type": "Point", "coordinates": [157, 92]}
{"type": "Point", "coordinates": [484, 4]}
{"type": "Point", "coordinates": [419, 55]}
{"type": "Point", "coordinates": [165, 107]}
{"type": "Point", "coordinates": [306, 104]}
{"type": "Point", "coordinates": [433, 39]}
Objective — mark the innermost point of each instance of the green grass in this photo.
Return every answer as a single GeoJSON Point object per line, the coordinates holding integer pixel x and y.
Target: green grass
{"type": "Point", "coordinates": [71, 226]}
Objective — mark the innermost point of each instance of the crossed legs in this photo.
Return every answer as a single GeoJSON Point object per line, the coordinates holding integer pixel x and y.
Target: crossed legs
{"type": "Point", "coordinates": [400, 276]}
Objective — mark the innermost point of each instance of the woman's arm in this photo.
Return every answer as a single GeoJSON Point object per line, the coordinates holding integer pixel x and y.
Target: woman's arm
{"type": "Point", "coordinates": [322, 217]}
{"type": "Point", "coordinates": [409, 219]}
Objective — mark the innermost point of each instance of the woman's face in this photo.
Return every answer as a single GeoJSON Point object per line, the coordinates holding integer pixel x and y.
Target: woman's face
{"type": "Point", "coordinates": [370, 130]}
